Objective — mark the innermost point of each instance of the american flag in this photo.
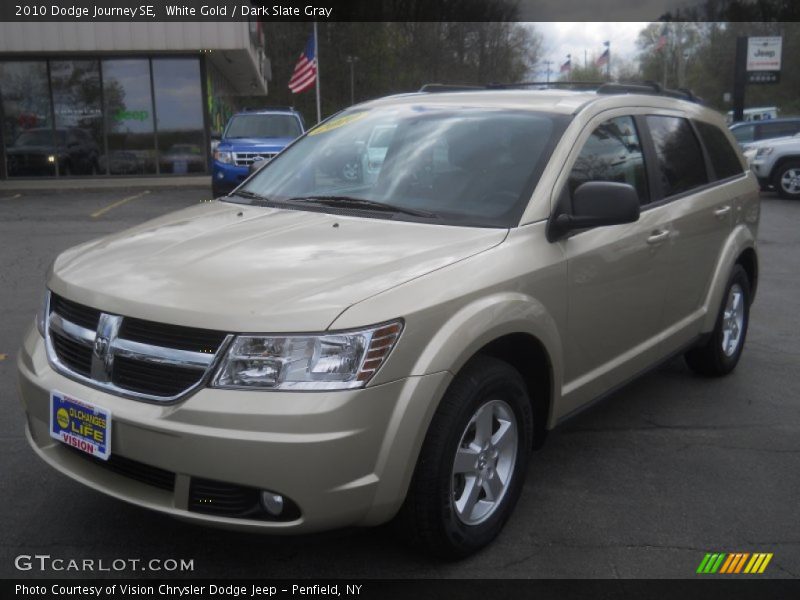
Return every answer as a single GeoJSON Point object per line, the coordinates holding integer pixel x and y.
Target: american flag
{"type": "Point", "coordinates": [305, 71]}
{"type": "Point", "coordinates": [567, 66]}
{"type": "Point", "coordinates": [602, 59]}
{"type": "Point", "coordinates": [662, 39]}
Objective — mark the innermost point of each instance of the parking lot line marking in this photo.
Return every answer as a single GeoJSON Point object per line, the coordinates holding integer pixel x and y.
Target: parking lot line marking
{"type": "Point", "coordinates": [10, 197]}
{"type": "Point", "coordinates": [114, 205]}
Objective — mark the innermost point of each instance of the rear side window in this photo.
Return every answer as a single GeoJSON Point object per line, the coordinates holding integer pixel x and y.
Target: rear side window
{"type": "Point", "coordinates": [744, 134]}
{"type": "Point", "coordinates": [612, 153]}
{"type": "Point", "coordinates": [680, 162]}
{"type": "Point", "coordinates": [723, 157]}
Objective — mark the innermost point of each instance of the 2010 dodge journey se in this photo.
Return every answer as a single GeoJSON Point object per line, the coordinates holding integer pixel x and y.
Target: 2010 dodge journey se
{"type": "Point", "coordinates": [314, 351]}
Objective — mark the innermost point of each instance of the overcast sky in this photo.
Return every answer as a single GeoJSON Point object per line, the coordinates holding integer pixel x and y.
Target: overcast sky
{"type": "Point", "coordinates": [561, 39]}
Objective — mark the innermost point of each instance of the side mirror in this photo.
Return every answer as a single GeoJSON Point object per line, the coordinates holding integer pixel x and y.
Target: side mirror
{"type": "Point", "coordinates": [596, 204]}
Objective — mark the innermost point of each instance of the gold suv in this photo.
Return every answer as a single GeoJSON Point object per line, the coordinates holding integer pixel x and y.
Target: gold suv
{"type": "Point", "coordinates": [315, 351]}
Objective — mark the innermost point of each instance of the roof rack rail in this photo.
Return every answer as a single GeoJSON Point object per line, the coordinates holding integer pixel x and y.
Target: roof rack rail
{"type": "Point", "coordinates": [434, 88]}
{"type": "Point", "coordinates": [647, 87]}
{"type": "Point", "coordinates": [545, 84]}
{"type": "Point", "coordinates": [601, 87]}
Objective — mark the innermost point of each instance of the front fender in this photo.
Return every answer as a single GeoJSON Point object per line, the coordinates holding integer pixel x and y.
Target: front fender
{"type": "Point", "coordinates": [484, 320]}
{"type": "Point", "coordinates": [742, 237]}
{"type": "Point", "coordinates": [460, 337]}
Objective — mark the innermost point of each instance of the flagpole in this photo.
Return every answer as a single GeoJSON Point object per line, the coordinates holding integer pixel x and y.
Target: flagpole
{"type": "Point", "coordinates": [316, 52]}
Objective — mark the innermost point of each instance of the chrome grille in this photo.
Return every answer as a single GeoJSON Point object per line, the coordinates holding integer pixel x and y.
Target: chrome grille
{"type": "Point", "coordinates": [131, 357]}
{"type": "Point", "coordinates": [244, 159]}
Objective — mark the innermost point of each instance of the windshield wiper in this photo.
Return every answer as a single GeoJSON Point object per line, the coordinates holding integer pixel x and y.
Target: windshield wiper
{"type": "Point", "coordinates": [251, 195]}
{"type": "Point", "coordinates": [350, 202]}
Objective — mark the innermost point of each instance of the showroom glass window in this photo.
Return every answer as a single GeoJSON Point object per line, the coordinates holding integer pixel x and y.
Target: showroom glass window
{"type": "Point", "coordinates": [128, 100]}
{"type": "Point", "coordinates": [30, 144]}
{"type": "Point", "coordinates": [77, 106]}
{"type": "Point", "coordinates": [179, 115]}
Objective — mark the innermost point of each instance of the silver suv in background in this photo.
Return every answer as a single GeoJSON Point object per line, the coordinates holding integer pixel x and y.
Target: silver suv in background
{"type": "Point", "coordinates": [314, 351]}
{"type": "Point", "coordinates": [776, 164]}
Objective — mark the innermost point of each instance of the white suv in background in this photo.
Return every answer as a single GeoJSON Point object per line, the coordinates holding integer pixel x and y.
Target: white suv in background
{"type": "Point", "coordinates": [776, 163]}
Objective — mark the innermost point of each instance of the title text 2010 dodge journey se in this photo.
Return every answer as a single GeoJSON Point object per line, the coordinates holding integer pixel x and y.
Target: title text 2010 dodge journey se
{"type": "Point", "coordinates": [313, 352]}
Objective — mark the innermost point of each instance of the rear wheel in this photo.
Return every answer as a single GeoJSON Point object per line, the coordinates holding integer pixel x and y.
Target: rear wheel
{"type": "Point", "coordinates": [720, 354]}
{"type": "Point", "coordinates": [787, 180]}
{"type": "Point", "coordinates": [473, 462]}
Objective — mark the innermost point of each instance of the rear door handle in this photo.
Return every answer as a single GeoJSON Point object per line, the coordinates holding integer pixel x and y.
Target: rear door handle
{"type": "Point", "coordinates": [722, 211]}
{"type": "Point", "coordinates": [657, 237]}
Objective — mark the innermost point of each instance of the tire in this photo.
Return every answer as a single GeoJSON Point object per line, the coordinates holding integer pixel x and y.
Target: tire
{"type": "Point", "coordinates": [787, 180]}
{"type": "Point", "coordinates": [439, 515]}
{"type": "Point", "coordinates": [720, 354]}
{"type": "Point", "coordinates": [216, 192]}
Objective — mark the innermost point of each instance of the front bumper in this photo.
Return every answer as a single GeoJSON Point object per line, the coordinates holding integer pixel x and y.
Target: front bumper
{"type": "Point", "coordinates": [761, 169]}
{"type": "Point", "coordinates": [225, 177]}
{"type": "Point", "coordinates": [344, 457]}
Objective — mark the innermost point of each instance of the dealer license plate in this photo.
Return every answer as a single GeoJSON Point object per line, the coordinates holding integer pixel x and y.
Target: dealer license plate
{"type": "Point", "coordinates": [81, 425]}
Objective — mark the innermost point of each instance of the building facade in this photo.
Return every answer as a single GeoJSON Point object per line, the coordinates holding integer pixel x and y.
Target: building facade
{"type": "Point", "coordinates": [111, 99]}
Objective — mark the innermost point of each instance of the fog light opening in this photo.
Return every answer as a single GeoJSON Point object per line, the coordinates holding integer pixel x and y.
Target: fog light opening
{"type": "Point", "coordinates": [272, 503]}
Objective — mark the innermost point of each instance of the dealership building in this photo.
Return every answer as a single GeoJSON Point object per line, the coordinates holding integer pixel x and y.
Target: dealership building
{"type": "Point", "coordinates": [121, 99]}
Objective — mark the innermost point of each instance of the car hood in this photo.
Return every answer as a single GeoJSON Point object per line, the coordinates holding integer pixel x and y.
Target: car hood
{"type": "Point", "coordinates": [33, 149]}
{"type": "Point", "coordinates": [241, 268]}
{"type": "Point", "coordinates": [255, 144]}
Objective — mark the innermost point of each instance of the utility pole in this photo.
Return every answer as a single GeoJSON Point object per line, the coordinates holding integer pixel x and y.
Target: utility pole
{"type": "Point", "coordinates": [739, 78]}
{"type": "Point", "coordinates": [608, 59]}
{"type": "Point", "coordinates": [547, 64]}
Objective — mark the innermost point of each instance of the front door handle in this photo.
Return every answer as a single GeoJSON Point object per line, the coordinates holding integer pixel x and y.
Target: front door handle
{"type": "Point", "coordinates": [722, 211]}
{"type": "Point", "coordinates": [658, 236]}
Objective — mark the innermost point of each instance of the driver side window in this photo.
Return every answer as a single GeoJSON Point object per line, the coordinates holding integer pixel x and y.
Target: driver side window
{"type": "Point", "coordinates": [612, 153]}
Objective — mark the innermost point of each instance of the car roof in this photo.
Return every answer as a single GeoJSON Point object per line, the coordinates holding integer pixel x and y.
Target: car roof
{"type": "Point", "coordinates": [558, 101]}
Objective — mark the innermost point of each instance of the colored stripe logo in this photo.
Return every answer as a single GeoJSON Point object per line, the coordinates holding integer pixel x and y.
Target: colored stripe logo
{"type": "Point", "coordinates": [734, 563]}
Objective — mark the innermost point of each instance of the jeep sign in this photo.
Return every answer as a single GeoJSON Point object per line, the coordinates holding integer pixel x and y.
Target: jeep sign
{"type": "Point", "coordinates": [764, 53]}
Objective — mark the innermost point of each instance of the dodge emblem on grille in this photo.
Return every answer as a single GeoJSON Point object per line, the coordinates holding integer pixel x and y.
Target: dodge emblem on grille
{"type": "Point", "coordinates": [101, 347]}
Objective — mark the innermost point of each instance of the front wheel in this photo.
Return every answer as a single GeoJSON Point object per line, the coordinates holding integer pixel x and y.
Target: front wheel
{"type": "Point", "coordinates": [720, 354]}
{"type": "Point", "coordinates": [473, 462]}
{"type": "Point", "coordinates": [787, 180]}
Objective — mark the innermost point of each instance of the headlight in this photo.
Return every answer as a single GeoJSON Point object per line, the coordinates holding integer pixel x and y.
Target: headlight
{"type": "Point", "coordinates": [223, 156]}
{"type": "Point", "coordinates": [764, 152]}
{"type": "Point", "coordinates": [333, 361]}
{"type": "Point", "coordinates": [41, 315]}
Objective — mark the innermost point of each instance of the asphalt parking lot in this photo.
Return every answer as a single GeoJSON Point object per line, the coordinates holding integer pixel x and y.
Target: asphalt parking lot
{"type": "Point", "coordinates": [642, 485]}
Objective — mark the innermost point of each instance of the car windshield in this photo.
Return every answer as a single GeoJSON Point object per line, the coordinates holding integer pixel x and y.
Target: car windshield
{"type": "Point", "coordinates": [460, 166]}
{"type": "Point", "coordinates": [264, 126]}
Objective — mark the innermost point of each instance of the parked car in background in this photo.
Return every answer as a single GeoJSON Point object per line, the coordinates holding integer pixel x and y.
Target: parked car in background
{"type": "Point", "coordinates": [260, 133]}
{"type": "Point", "coordinates": [121, 162]}
{"type": "Point", "coordinates": [183, 158]}
{"type": "Point", "coordinates": [42, 151]}
{"type": "Point", "coordinates": [776, 164]}
{"type": "Point", "coordinates": [746, 132]}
